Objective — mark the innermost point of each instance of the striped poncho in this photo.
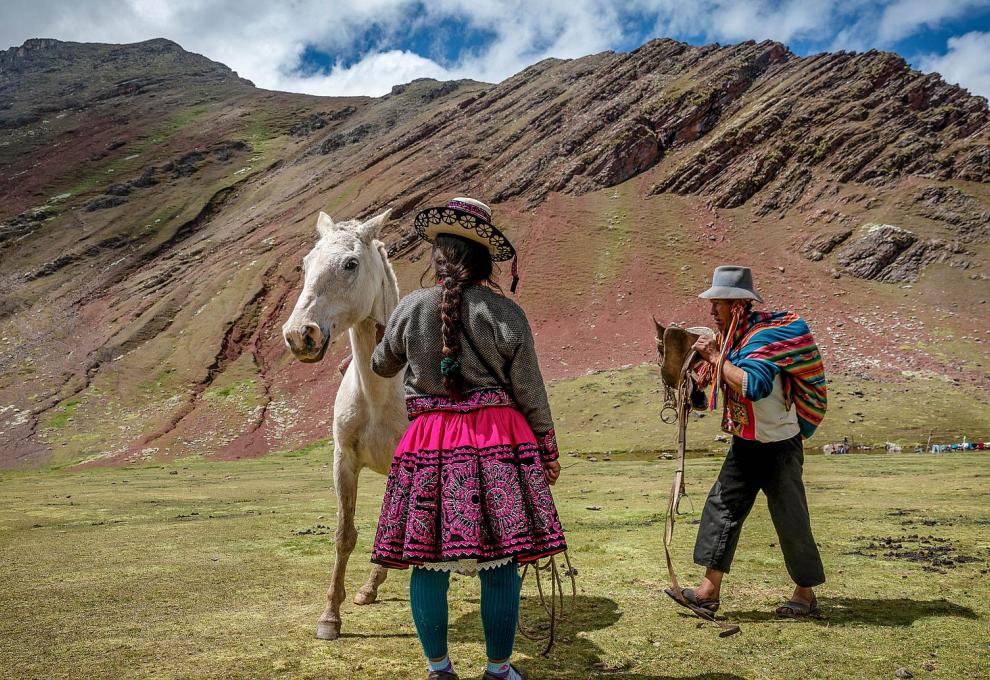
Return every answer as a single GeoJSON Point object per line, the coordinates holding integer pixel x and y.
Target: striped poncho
{"type": "Point", "coordinates": [784, 341]}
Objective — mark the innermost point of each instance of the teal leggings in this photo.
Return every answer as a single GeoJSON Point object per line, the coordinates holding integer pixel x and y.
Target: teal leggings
{"type": "Point", "coordinates": [499, 609]}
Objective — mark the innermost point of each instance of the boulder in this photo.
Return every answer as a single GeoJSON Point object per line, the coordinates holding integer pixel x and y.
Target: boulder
{"type": "Point", "coordinates": [104, 202]}
{"type": "Point", "coordinates": [820, 245]}
{"type": "Point", "coordinates": [878, 246]}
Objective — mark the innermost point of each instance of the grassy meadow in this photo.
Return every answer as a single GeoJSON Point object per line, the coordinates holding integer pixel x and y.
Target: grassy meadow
{"type": "Point", "coordinates": [618, 410]}
{"type": "Point", "coordinates": [197, 569]}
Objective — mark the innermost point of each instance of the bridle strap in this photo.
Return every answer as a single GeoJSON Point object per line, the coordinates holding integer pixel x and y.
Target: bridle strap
{"type": "Point", "coordinates": [683, 408]}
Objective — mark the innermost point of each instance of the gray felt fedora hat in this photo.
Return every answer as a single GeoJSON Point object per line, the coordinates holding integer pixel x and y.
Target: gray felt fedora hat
{"type": "Point", "coordinates": [732, 283]}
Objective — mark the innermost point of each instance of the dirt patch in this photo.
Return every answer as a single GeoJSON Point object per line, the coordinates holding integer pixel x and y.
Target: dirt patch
{"type": "Point", "coordinates": [317, 530]}
{"type": "Point", "coordinates": [934, 553]}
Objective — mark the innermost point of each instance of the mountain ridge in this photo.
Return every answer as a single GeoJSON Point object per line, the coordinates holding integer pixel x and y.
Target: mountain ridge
{"type": "Point", "coordinates": [150, 234]}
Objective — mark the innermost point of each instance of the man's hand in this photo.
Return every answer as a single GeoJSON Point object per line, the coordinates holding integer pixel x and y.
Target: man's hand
{"type": "Point", "coordinates": [552, 471]}
{"type": "Point", "coordinates": [707, 348]}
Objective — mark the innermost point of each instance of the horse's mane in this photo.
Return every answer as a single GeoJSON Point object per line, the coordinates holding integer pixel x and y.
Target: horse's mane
{"type": "Point", "coordinates": [390, 285]}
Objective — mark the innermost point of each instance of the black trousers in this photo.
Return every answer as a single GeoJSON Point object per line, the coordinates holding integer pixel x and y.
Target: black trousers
{"type": "Point", "coordinates": [776, 469]}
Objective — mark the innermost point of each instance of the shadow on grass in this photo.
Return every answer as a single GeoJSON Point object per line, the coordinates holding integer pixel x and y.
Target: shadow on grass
{"type": "Point", "coordinates": [376, 636]}
{"type": "Point", "coordinates": [849, 611]}
{"type": "Point", "coordinates": [574, 656]}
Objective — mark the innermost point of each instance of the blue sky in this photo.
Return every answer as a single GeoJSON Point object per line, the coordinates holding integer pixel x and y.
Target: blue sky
{"type": "Point", "coordinates": [447, 40]}
{"type": "Point", "coordinates": [349, 47]}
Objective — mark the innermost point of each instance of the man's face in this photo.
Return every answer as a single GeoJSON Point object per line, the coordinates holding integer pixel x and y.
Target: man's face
{"type": "Point", "coordinates": [722, 313]}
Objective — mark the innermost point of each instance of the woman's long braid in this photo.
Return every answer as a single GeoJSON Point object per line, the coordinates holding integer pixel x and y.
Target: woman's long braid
{"type": "Point", "coordinates": [455, 276]}
{"type": "Point", "coordinates": [457, 264]}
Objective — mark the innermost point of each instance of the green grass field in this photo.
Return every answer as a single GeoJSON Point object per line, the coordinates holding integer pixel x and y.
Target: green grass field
{"type": "Point", "coordinates": [618, 410]}
{"type": "Point", "coordinates": [217, 570]}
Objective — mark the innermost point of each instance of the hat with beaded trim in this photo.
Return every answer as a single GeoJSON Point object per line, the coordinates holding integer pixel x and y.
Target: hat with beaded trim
{"type": "Point", "coordinates": [470, 219]}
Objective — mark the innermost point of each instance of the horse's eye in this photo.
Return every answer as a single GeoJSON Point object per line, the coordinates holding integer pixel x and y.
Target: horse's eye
{"type": "Point", "coordinates": [351, 264]}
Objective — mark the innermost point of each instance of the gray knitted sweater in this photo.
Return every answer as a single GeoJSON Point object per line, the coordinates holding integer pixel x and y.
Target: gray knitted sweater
{"type": "Point", "coordinates": [498, 328]}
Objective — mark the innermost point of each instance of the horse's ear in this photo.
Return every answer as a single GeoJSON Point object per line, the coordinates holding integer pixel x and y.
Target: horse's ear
{"type": "Point", "coordinates": [368, 231]}
{"type": "Point", "coordinates": [324, 225]}
{"type": "Point", "coordinates": [660, 328]}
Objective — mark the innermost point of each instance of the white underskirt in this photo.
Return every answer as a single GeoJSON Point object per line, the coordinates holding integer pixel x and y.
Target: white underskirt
{"type": "Point", "coordinates": [466, 567]}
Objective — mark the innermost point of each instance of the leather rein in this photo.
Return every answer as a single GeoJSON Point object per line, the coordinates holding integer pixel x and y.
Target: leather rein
{"type": "Point", "coordinates": [678, 400]}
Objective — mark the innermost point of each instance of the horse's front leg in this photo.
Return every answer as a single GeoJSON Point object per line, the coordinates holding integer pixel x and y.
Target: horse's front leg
{"type": "Point", "coordinates": [369, 591]}
{"type": "Point", "coordinates": [345, 480]}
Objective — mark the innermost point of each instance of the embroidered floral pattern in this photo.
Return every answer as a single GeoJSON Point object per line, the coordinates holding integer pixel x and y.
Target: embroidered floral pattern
{"type": "Point", "coordinates": [502, 501]}
{"type": "Point", "coordinates": [548, 447]}
{"type": "Point", "coordinates": [542, 507]}
{"type": "Point", "coordinates": [484, 504]}
{"type": "Point", "coordinates": [395, 509]}
{"type": "Point", "coordinates": [461, 502]}
{"type": "Point", "coordinates": [737, 416]}
{"type": "Point", "coordinates": [422, 524]}
{"type": "Point", "coordinates": [478, 399]}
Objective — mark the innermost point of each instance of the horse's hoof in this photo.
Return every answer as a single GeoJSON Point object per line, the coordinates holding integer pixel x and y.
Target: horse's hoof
{"type": "Point", "coordinates": [327, 630]}
{"type": "Point", "coordinates": [365, 597]}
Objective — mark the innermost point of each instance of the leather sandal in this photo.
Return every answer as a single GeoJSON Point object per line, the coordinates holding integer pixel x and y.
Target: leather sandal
{"type": "Point", "coordinates": [691, 596]}
{"type": "Point", "coordinates": [710, 605]}
{"type": "Point", "coordinates": [798, 610]}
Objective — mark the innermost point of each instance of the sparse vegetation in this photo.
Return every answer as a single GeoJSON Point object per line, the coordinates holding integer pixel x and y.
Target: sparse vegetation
{"type": "Point", "coordinates": [237, 390]}
{"type": "Point", "coordinates": [64, 415]}
{"type": "Point", "coordinates": [217, 570]}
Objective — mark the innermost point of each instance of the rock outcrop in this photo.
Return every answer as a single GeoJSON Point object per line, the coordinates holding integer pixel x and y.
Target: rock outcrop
{"type": "Point", "coordinates": [878, 247]}
{"type": "Point", "coordinates": [965, 217]}
{"type": "Point", "coordinates": [886, 253]}
{"type": "Point", "coordinates": [820, 245]}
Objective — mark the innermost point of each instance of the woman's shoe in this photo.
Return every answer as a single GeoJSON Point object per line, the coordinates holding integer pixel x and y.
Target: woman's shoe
{"type": "Point", "coordinates": [489, 676]}
{"type": "Point", "coordinates": [442, 675]}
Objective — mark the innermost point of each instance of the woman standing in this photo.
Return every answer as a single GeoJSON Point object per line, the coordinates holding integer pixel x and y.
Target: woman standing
{"type": "Point", "coordinates": [468, 489]}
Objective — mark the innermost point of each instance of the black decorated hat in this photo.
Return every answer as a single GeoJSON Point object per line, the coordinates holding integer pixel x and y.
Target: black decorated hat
{"type": "Point", "coordinates": [467, 218]}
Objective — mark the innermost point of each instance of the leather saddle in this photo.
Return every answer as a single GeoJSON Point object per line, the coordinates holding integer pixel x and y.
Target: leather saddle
{"type": "Point", "coordinates": [674, 353]}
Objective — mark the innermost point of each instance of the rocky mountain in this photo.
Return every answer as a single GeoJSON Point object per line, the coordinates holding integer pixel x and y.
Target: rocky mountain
{"type": "Point", "coordinates": [155, 207]}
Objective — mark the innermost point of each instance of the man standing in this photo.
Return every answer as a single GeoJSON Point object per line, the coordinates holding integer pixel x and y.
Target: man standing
{"type": "Point", "coordinates": [770, 371]}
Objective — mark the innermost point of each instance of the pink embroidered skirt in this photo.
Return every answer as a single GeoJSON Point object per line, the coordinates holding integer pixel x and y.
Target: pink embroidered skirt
{"type": "Point", "coordinates": [467, 486]}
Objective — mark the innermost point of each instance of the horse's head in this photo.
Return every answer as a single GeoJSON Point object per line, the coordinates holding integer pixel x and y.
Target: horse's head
{"type": "Point", "coordinates": [347, 279]}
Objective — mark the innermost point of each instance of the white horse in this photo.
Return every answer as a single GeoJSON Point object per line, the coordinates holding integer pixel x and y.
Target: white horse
{"type": "Point", "coordinates": [349, 286]}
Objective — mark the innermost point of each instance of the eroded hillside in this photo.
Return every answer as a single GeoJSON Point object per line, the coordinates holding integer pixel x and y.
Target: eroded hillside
{"type": "Point", "coordinates": [156, 206]}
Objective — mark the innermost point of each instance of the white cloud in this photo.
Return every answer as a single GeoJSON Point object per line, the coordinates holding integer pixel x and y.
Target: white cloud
{"type": "Point", "coordinates": [260, 39]}
{"type": "Point", "coordinates": [882, 24]}
{"type": "Point", "coordinates": [527, 31]}
{"type": "Point", "coordinates": [966, 63]}
{"type": "Point", "coordinates": [374, 75]}
{"type": "Point", "coordinates": [736, 20]}
{"type": "Point", "coordinates": [264, 40]}
{"type": "Point", "coordinates": [904, 18]}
